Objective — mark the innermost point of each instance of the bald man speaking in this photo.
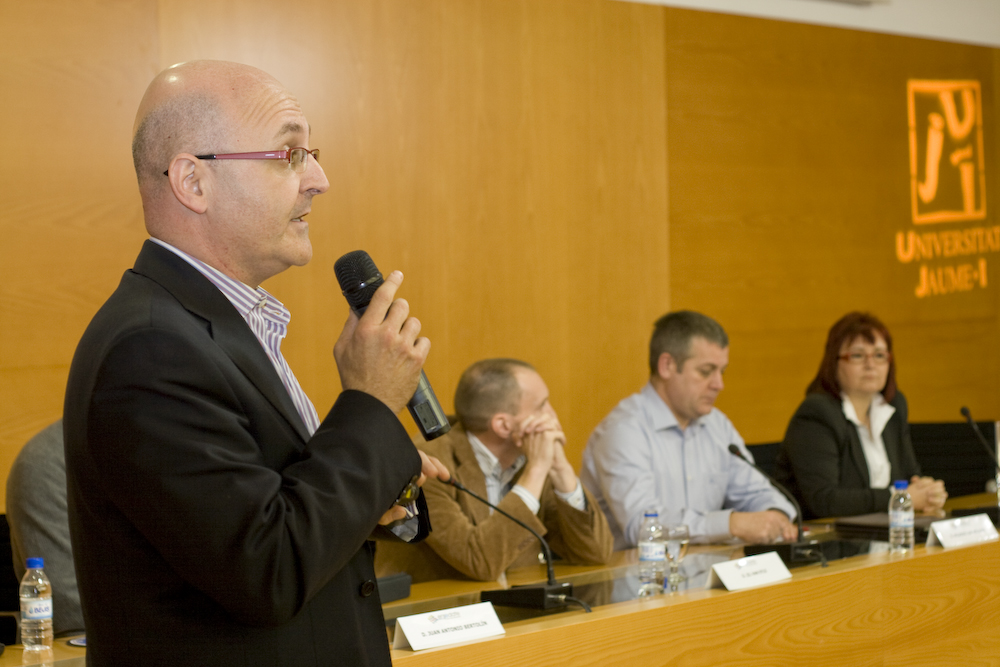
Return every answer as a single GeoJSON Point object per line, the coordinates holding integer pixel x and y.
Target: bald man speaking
{"type": "Point", "coordinates": [216, 520]}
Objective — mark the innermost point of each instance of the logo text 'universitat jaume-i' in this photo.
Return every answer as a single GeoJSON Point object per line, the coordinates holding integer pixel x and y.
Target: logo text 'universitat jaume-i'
{"type": "Point", "coordinates": [947, 185]}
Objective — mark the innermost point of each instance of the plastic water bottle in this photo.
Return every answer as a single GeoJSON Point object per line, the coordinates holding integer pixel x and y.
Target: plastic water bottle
{"type": "Point", "coordinates": [900, 519]}
{"type": "Point", "coordinates": [652, 554]}
{"type": "Point", "coordinates": [36, 607]}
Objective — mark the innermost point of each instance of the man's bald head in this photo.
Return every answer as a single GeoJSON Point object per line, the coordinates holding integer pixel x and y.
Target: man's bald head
{"type": "Point", "coordinates": [193, 107]}
{"type": "Point", "coordinates": [242, 216]}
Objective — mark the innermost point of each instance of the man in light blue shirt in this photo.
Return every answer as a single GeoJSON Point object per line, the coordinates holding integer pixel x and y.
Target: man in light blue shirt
{"type": "Point", "coordinates": [668, 447]}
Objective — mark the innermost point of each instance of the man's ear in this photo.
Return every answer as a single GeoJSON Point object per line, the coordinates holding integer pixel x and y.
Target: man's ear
{"type": "Point", "coordinates": [502, 424]}
{"type": "Point", "coordinates": [665, 366]}
{"type": "Point", "coordinates": [187, 177]}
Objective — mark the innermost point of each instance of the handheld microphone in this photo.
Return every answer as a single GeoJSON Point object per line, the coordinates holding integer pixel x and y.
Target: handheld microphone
{"type": "Point", "coordinates": [549, 595]}
{"type": "Point", "coordinates": [799, 551]}
{"type": "Point", "coordinates": [359, 278]}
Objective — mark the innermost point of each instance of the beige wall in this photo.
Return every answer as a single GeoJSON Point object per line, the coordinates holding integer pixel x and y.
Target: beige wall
{"type": "Point", "coordinates": [512, 159]}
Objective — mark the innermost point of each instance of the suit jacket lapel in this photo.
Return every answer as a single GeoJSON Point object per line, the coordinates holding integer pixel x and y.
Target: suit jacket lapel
{"type": "Point", "coordinates": [857, 453]}
{"type": "Point", "coordinates": [468, 472]}
{"type": "Point", "coordinates": [890, 438]}
{"type": "Point", "coordinates": [226, 326]}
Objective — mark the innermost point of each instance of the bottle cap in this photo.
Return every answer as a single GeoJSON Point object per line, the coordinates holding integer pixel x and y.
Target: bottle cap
{"type": "Point", "coordinates": [900, 484]}
{"type": "Point", "coordinates": [36, 563]}
{"type": "Point", "coordinates": [651, 512]}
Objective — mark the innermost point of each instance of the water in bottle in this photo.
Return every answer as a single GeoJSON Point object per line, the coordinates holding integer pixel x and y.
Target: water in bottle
{"type": "Point", "coordinates": [36, 608]}
{"type": "Point", "coordinates": [652, 554]}
{"type": "Point", "coordinates": [900, 519]}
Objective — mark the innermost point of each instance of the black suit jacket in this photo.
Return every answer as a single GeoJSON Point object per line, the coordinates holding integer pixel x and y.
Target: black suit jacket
{"type": "Point", "coordinates": [822, 463]}
{"type": "Point", "coordinates": [207, 527]}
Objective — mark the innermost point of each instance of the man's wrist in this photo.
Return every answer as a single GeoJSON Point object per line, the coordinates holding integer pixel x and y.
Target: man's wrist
{"type": "Point", "coordinates": [780, 511]}
{"type": "Point", "coordinates": [575, 498]}
{"type": "Point", "coordinates": [408, 496]}
{"type": "Point", "coordinates": [530, 501]}
{"type": "Point", "coordinates": [564, 481]}
{"type": "Point", "coordinates": [533, 480]}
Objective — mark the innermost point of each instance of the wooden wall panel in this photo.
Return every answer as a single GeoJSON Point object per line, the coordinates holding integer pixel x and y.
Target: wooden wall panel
{"type": "Point", "coordinates": [508, 157]}
{"type": "Point", "coordinates": [69, 210]}
{"type": "Point", "coordinates": [511, 157]}
{"type": "Point", "coordinates": [789, 179]}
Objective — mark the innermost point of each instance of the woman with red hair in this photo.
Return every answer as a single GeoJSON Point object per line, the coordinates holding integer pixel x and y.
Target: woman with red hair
{"type": "Point", "coordinates": [849, 439]}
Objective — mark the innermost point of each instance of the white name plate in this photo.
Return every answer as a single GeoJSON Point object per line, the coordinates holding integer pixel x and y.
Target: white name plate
{"type": "Point", "coordinates": [962, 531]}
{"type": "Point", "coordinates": [448, 626]}
{"type": "Point", "coordinates": [735, 575]}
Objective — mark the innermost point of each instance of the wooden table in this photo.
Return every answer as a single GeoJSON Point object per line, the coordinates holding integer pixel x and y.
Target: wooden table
{"type": "Point", "coordinates": [62, 655]}
{"type": "Point", "coordinates": [934, 607]}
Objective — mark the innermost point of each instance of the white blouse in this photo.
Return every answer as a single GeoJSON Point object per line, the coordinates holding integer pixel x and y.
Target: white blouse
{"type": "Point", "coordinates": [879, 414]}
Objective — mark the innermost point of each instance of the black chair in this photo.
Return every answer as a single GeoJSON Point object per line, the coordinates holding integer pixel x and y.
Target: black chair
{"type": "Point", "coordinates": [10, 601]}
{"type": "Point", "coordinates": [765, 455]}
{"type": "Point", "coordinates": [949, 451]}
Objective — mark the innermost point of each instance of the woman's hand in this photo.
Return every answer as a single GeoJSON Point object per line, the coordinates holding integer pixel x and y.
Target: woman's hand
{"type": "Point", "coordinates": [928, 495]}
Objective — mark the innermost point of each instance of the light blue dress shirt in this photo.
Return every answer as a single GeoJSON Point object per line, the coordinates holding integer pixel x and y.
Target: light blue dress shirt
{"type": "Point", "coordinates": [639, 457]}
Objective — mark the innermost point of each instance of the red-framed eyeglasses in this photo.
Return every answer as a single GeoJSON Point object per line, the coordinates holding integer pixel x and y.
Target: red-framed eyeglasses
{"type": "Point", "coordinates": [879, 357]}
{"type": "Point", "coordinates": [296, 157]}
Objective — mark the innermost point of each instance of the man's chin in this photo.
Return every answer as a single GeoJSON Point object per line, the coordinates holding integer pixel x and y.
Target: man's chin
{"type": "Point", "coordinates": [302, 255]}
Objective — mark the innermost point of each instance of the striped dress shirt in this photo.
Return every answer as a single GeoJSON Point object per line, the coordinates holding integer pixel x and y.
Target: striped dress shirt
{"type": "Point", "coordinates": [268, 320]}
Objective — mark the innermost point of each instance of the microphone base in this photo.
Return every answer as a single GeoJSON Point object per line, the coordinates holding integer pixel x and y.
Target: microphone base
{"type": "Point", "coordinates": [532, 596]}
{"type": "Point", "coordinates": [791, 553]}
{"type": "Point", "coordinates": [796, 554]}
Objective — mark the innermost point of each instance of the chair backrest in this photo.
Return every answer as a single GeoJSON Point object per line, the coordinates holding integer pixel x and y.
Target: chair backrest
{"type": "Point", "coordinates": [949, 451]}
{"type": "Point", "coordinates": [10, 603]}
{"type": "Point", "coordinates": [39, 524]}
{"type": "Point", "coordinates": [9, 584]}
{"type": "Point", "coordinates": [764, 455]}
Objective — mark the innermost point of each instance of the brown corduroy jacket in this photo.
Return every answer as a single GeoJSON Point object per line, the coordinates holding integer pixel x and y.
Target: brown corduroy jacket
{"type": "Point", "coordinates": [467, 542]}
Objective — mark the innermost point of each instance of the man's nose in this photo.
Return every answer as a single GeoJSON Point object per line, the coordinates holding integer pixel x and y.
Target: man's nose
{"type": "Point", "coordinates": [716, 381]}
{"type": "Point", "coordinates": [314, 179]}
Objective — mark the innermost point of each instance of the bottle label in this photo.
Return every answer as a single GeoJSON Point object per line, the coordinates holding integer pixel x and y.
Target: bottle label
{"type": "Point", "coordinates": [652, 551]}
{"type": "Point", "coordinates": [36, 609]}
{"type": "Point", "coordinates": [901, 519]}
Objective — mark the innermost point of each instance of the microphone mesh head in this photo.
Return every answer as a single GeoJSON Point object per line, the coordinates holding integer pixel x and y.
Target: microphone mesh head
{"type": "Point", "coordinates": [358, 278]}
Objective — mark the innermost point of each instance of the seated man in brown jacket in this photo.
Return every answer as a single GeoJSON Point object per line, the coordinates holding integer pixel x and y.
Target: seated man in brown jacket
{"type": "Point", "coordinates": [507, 447]}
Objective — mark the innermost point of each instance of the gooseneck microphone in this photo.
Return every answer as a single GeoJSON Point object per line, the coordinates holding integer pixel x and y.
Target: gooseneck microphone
{"type": "Point", "coordinates": [735, 451]}
{"type": "Point", "coordinates": [359, 278]}
{"type": "Point", "coordinates": [979, 436]}
{"type": "Point", "coordinates": [799, 551]}
{"type": "Point", "coordinates": [993, 511]}
{"type": "Point", "coordinates": [549, 595]}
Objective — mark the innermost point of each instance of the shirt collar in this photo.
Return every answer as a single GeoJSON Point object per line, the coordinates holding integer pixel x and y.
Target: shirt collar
{"type": "Point", "coordinates": [490, 464]}
{"type": "Point", "coordinates": [663, 416]}
{"type": "Point", "coordinates": [243, 297]}
{"type": "Point", "coordinates": [879, 413]}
